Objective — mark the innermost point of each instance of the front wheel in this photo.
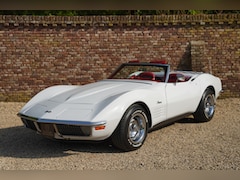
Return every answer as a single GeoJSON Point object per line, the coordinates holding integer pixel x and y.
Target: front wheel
{"type": "Point", "coordinates": [132, 129]}
{"type": "Point", "coordinates": [206, 107]}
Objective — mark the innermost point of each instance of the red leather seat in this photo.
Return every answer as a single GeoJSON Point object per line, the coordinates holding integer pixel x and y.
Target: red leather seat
{"type": "Point", "coordinates": [146, 76]}
{"type": "Point", "coordinates": [174, 77]}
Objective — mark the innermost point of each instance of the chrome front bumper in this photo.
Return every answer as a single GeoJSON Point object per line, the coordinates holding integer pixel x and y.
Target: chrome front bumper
{"type": "Point", "coordinates": [61, 129]}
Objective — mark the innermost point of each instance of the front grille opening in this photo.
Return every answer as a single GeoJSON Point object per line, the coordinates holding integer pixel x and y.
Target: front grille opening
{"type": "Point", "coordinates": [67, 130]}
{"type": "Point", "coordinates": [72, 130]}
{"type": "Point", "coordinates": [29, 124]}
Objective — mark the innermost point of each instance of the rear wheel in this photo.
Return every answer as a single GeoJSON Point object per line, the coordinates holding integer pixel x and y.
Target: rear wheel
{"type": "Point", "coordinates": [206, 107]}
{"type": "Point", "coordinates": [132, 129]}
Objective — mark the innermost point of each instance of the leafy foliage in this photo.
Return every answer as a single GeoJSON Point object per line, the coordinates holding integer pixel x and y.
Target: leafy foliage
{"type": "Point", "coordinates": [113, 12]}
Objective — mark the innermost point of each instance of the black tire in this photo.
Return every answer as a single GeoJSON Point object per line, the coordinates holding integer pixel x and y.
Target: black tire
{"type": "Point", "coordinates": [206, 107]}
{"type": "Point", "coordinates": [132, 129]}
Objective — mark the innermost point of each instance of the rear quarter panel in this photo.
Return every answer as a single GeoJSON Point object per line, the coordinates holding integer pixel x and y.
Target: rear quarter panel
{"type": "Point", "coordinates": [184, 97]}
{"type": "Point", "coordinates": [208, 80]}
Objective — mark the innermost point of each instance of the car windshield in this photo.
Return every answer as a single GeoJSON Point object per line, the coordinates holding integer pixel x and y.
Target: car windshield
{"type": "Point", "coordinates": [141, 71]}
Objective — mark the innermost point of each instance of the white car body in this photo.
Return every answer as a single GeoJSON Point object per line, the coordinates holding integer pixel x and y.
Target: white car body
{"type": "Point", "coordinates": [96, 109]}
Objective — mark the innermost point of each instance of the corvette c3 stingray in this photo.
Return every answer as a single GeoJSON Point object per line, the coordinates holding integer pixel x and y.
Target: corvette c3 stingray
{"type": "Point", "coordinates": [124, 107]}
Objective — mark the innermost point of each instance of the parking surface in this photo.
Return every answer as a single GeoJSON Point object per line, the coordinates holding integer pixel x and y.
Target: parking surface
{"type": "Point", "coordinates": [184, 145]}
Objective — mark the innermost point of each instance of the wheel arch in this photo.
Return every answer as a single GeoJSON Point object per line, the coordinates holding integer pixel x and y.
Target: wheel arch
{"type": "Point", "coordinates": [124, 141]}
{"type": "Point", "coordinates": [211, 88]}
{"type": "Point", "coordinates": [144, 105]}
{"type": "Point", "coordinates": [200, 115]}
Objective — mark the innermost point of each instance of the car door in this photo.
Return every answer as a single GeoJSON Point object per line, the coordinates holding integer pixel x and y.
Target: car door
{"type": "Point", "coordinates": [181, 98]}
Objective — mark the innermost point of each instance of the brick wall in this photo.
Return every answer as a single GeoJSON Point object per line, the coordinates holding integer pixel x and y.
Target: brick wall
{"type": "Point", "coordinates": [40, 51]}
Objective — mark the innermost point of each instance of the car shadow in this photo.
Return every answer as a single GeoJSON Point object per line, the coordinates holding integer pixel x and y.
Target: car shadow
{"type": "Point", "coordinates": [187, 120]}
{"type": "Point", "coordinates": [20, 142]}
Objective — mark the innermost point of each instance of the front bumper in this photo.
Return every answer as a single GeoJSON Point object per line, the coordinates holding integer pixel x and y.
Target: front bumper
{"type": "Point", "coordinates": [64, 129]}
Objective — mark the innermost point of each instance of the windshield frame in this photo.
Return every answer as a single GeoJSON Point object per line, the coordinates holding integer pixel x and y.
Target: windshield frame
{"type": "Point", "coordinates": [166, 69]}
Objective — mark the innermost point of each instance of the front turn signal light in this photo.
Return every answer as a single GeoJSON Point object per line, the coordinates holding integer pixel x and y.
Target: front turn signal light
{"type": "Point", "coordinates": [100, 127]}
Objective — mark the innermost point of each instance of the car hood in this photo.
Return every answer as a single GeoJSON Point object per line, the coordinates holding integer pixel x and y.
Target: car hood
{"type": "Point", "coordinates": [96, 92]}
{"type": "Point", "coordinates": [84, 102]}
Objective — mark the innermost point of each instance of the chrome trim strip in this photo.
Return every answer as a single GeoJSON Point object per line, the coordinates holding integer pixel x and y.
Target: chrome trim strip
{"type": "Point", "coordinates": [56, 130]}
{"type": "Point", "coordinates": [27, 117]}
{"type": "Point", "coordinates": [37, 127]}
{"type": "Point", "coordinates": [68, 122]}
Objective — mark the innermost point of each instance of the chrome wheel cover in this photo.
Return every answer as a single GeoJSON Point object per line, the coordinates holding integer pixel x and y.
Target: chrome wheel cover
{"type": "Point", "coordinates": [137, 128]}
{"type": "Point", "coordinates": [209, 105]}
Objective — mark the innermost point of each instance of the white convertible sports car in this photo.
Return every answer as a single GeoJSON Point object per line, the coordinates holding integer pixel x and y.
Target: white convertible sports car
{"type": "Point", "coordinates": [124, 107]}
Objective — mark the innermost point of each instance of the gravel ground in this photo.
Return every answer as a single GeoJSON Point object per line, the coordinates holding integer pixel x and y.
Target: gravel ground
{"type": "Point", "coordinates": [184, 145]}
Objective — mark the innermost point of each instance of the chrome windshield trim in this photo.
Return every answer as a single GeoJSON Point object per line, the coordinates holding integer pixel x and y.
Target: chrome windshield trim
{"type": "Point", "coordinates": [67, 122]}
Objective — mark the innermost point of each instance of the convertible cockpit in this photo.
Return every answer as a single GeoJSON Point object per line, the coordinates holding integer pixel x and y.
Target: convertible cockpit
{"type": "Point", "coordinates": [159, 72]}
